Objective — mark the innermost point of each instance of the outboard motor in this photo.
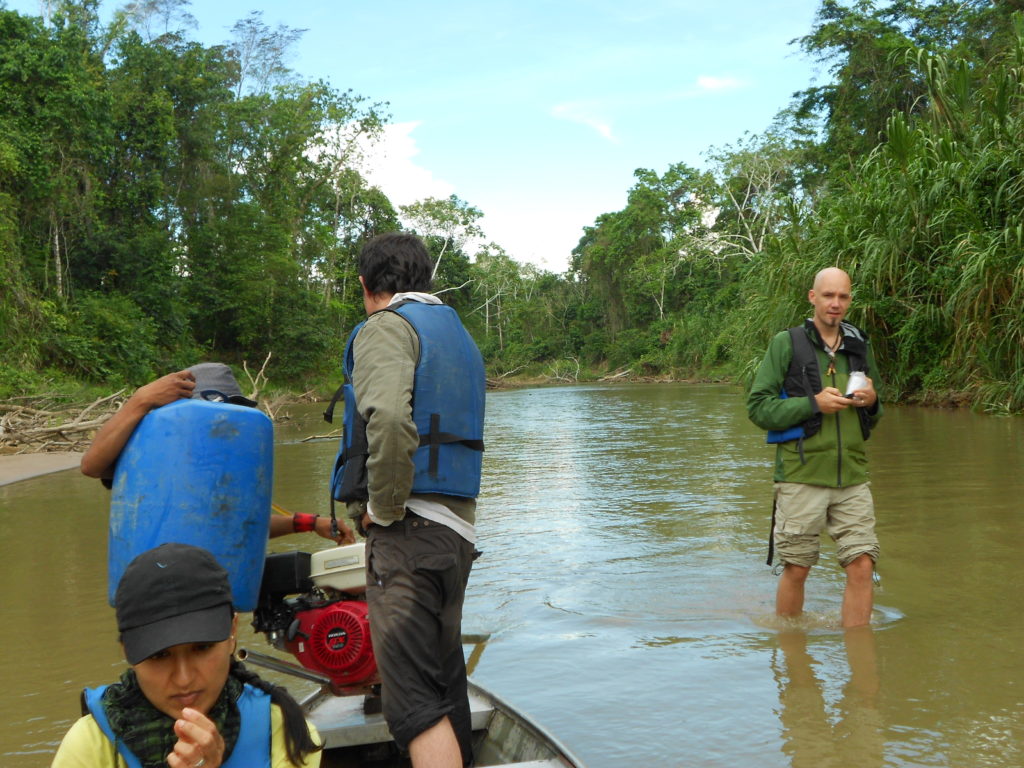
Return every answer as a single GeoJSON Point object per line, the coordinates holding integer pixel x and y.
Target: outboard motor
{"type": "Point", "coordinates": [309, 605]}
{"type": "Point", "coordinates": [335, 641]}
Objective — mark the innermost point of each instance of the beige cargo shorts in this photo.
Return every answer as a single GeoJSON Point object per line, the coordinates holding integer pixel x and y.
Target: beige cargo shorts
{"type": "Point", "coordinates": [802, 512]}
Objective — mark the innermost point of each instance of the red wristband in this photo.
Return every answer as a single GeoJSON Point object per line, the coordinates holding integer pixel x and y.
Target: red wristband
{"type": "Point", "coordinates": [303, 523]}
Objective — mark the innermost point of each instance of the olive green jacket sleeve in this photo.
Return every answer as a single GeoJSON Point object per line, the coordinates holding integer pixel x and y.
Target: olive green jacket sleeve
{"type": "Point", "coordinates": [764, 406]}
{"type": "Point", "coordinates": [385, 353]}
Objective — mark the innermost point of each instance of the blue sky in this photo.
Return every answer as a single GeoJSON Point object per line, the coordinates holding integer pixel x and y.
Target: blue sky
{"type": "Point", "coordinates": [538, 112]}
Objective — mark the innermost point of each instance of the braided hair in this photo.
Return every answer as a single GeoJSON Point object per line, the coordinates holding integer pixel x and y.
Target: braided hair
{"type": "Point", "coordinates": [298, 741]}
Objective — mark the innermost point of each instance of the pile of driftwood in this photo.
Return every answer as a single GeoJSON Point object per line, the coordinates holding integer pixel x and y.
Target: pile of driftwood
{"type": "Point", "coordinates": [51, 423]}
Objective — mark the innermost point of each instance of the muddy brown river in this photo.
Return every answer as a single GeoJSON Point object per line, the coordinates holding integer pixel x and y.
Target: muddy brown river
{"type": "Point", "coordinates": [624, 587]}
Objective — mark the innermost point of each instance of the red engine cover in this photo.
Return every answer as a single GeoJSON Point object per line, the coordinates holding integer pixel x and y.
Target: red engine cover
{"type": "Point", "coordinates": [335, 641]}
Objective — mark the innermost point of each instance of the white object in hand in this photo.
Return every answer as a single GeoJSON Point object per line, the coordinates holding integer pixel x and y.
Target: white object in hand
{"type": "Point", "coordinates": [857, 381]}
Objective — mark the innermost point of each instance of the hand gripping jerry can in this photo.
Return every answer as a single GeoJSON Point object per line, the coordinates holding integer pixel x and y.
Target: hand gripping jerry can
{"type": "Point", "coordinates": [200, 473]}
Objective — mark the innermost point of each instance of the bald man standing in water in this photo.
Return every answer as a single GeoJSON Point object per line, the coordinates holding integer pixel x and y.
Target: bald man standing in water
{"type": "Point", "coordinates": [820, 416]}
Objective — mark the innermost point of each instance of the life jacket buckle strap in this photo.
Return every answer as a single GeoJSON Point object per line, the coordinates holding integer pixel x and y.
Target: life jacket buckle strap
{"type": "Point", "coordinates": [435, 438]}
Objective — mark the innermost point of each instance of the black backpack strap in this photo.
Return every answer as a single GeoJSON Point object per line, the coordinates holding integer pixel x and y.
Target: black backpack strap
{"type": "Point", "coordinates": [803, 356]}
{"type": "Point", "coordinates": [803, 363]}
{"type": "Point", "coordinates": [329, 413]}
{"type": "Point", "coordinates": [771, 533]}
{"type": "Point", "coordinates": [334, 519]}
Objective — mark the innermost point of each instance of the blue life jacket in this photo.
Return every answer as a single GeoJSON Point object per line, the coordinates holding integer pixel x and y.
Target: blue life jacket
{"type": "Point", "coordinates": [447, 408]}
{"type": "Point", "coordinates": [252, 750]}
{"type": "Point", "coordinates": [803, 378]}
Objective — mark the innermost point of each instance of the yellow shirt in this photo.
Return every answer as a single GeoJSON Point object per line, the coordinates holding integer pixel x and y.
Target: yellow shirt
{"type": "Point", "coordinates": [85, 746]}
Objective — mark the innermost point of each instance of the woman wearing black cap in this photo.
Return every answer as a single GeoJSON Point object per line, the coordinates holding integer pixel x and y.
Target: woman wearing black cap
{"type": "Point", "coordinates": [185, 702]}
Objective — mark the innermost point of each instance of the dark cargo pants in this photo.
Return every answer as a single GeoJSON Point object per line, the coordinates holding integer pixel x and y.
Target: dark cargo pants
{"type": "Point", "coordinates": [416, 576]}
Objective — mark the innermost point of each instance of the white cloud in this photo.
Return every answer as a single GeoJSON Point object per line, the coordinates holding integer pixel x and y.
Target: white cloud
{"type": "Point", "coordinates": [532, 235]}
{"type": "Point", "coordinates": [389, 163]}
{"type": "Point", "coordinates": [581, 113]}
{"type": "Point", "coordinates": [532, 231]}
{"type": "Point", "coordinates": [587, 113]}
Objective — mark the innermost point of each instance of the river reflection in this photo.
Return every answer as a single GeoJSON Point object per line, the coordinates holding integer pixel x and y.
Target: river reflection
{"type": "Point", "coordinates": [819, 733]}
{"type": "Point", "coordinates": [624, 531]}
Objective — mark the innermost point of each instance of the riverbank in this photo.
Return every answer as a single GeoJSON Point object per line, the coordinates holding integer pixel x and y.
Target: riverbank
{"type": "Point", "coordinates": [22, 466]}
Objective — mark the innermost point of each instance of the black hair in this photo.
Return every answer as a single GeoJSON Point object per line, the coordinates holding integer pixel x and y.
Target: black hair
{"type": "Point", "coordinates": [395, 262]}
{"type": "Point", "coordinates": [298, 742]}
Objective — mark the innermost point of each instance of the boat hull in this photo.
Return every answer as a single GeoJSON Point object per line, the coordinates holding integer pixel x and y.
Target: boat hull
{"type": "Point", "coordinates": [502, 736]}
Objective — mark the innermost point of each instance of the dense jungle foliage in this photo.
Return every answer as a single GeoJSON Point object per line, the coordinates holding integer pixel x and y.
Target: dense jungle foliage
{"type": "Point", "coordinates": [163, 202]}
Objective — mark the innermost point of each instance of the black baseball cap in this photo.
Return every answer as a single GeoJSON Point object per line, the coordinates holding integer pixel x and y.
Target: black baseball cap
{"type": "Point", "coordinates": [172, 594]}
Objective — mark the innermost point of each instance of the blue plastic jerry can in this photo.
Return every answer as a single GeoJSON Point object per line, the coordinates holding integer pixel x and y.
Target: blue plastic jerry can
{"type": "Point", "coordinates": [199, 473]}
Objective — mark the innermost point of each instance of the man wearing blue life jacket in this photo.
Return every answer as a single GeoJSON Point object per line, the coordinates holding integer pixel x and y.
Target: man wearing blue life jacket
{"type": "Point", "coordinates": [409, 471]}
{"type": "Point", "coordinates": [820, 414]}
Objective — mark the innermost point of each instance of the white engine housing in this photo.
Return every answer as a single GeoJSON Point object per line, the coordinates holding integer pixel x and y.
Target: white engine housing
{"type": "Point", "coordinates": [341, 568]}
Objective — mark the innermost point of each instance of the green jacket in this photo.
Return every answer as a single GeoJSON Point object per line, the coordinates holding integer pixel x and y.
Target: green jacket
{"type": "Point", "coordinates": [835, 456]}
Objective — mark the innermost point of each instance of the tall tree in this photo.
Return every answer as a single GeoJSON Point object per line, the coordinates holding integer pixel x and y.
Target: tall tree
{"type": "Point", "coordinates": [262, 53]}
{"type": "Point", "coordinates": [451, 223]}
{"type": "Point", "coordinates": [761, 189]}
{"type": "Point", "coordinates": [633, 255]}
{"type": "Point", "coordinates": [159, 19]}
